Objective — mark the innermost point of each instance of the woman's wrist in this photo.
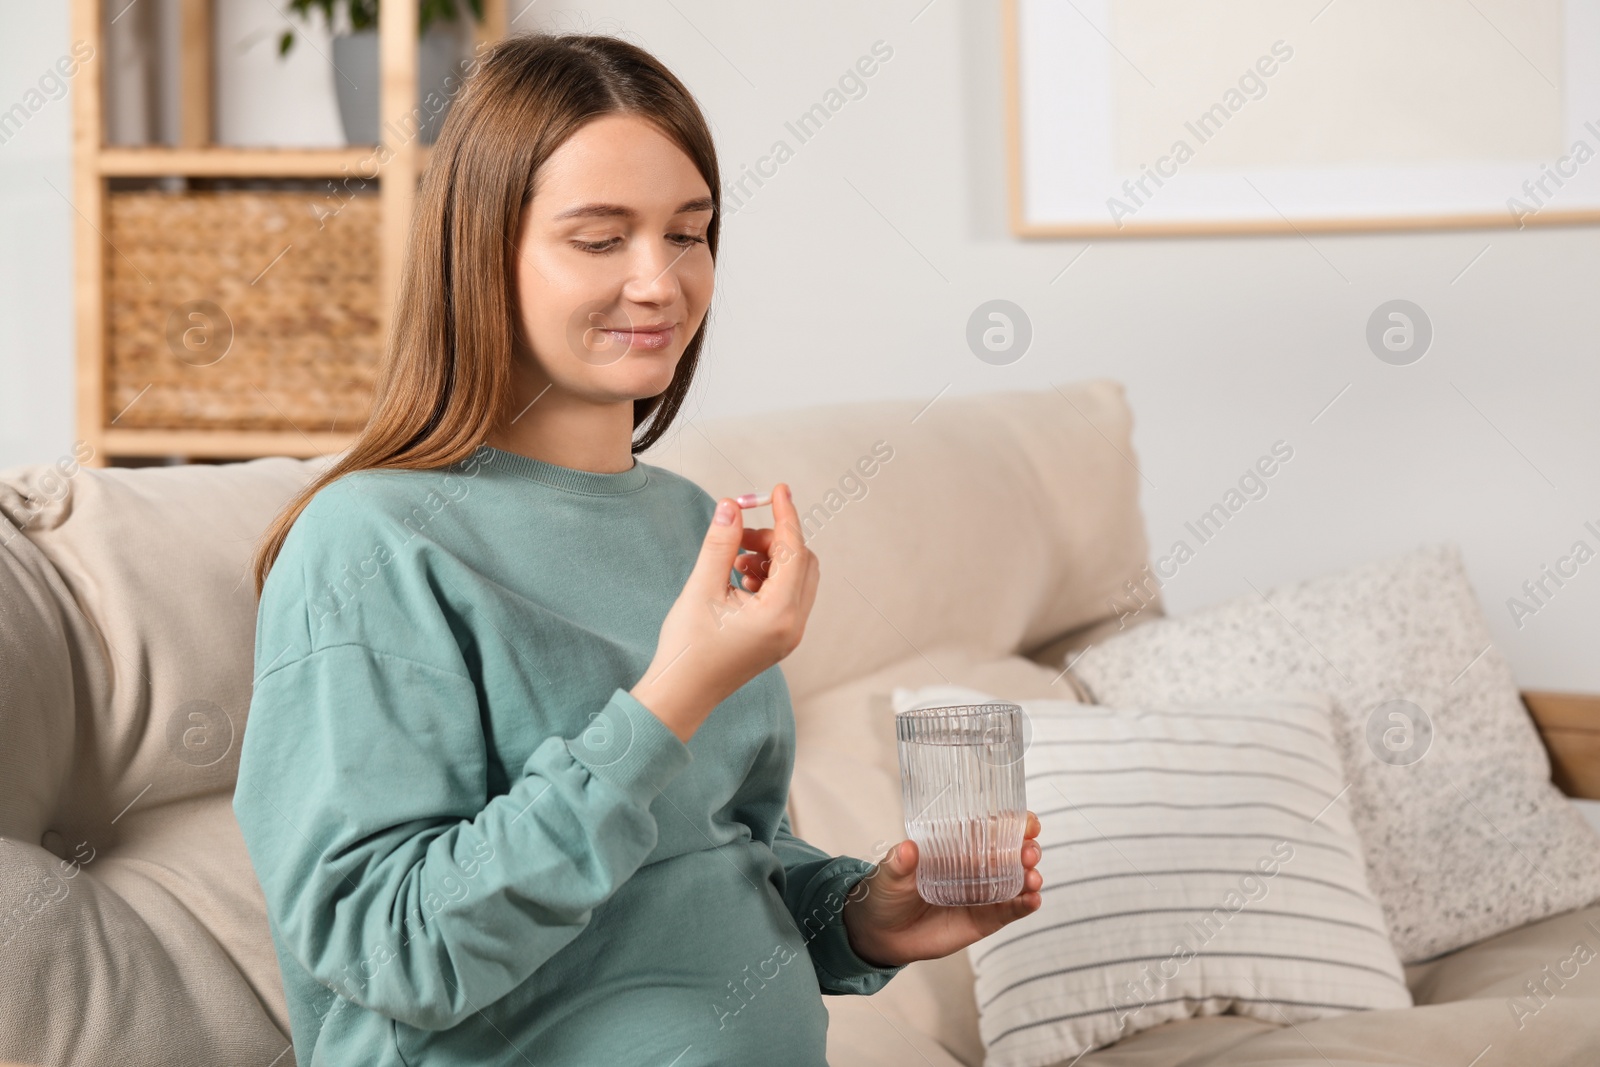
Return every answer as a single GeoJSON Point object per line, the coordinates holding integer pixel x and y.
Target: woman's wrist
{"type": "Point", "coordinates": [665, 703]}
{"type": "Point", "coordinates": [858, 933]}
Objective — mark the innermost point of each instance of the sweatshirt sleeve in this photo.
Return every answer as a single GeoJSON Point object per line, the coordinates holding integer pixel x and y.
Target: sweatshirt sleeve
{"type": "Point", "coordinates": [816, 886]}
{"type": "Point", "coordinates": [361, 798]}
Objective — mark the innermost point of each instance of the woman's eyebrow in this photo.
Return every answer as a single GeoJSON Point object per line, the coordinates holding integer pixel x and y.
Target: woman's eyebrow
{"type": "Point", "coordinates": [703, 203]}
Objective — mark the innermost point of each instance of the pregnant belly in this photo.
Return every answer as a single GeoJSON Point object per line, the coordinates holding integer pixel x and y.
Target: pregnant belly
{"type": "Point", "coordinates": [694, 960]}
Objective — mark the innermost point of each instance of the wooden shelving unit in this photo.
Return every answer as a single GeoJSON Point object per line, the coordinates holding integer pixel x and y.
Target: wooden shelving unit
{"type": "Point", "coordinates": [96, 165]}
{"type": "Point", "coordinates": [221, 162]}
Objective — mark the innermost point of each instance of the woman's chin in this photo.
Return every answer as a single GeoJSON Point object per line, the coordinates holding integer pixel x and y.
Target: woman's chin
{"type": "Point", "coordinates": [618, 387]}
{"type": "Point", "coordinates": [648, 373]}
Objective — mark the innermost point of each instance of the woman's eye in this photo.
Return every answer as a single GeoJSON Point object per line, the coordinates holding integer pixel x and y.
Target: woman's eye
{"type": "Point", "coordinates": [599, 248]}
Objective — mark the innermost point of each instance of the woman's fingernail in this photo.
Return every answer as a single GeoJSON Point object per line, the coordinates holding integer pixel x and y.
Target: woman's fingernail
{"type": "Point", "coordinates": [724, 514]}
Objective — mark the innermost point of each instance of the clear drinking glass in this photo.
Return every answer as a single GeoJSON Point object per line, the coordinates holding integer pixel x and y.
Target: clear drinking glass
{"type": "Point", "coordinates": [965, 800]}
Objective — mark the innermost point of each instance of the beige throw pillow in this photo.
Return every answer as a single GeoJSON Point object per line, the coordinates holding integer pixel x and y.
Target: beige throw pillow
{"type": "Point", "coordinates": [1196, 860]}
{"type": "Point", "coordinates": [1449, 783]}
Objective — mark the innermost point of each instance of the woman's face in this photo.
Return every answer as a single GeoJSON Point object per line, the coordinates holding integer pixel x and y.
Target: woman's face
{"type": "Point", "coordinates": [613, 272]}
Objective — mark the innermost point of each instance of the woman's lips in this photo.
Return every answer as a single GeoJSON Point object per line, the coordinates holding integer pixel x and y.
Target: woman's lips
{"type": "Point", "coordinates": [643, 338]}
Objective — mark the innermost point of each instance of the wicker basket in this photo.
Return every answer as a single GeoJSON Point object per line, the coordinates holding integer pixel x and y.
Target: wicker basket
{"type": "Point", "coordinates": [241, 310]}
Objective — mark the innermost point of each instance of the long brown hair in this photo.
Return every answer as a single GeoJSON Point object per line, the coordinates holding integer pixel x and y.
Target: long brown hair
{"type": "Point", "coordinates": [446, 374]}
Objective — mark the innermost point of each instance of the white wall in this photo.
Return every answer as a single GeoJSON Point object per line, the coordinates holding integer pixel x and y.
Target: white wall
{"type": "Point", "coordinates": [853, 271]}
{"type": "Point", "coordinates": [36, 353]}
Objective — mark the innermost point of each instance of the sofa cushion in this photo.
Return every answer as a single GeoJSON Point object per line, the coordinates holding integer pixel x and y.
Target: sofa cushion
{"type": "Point", "coordinates": [142, 952]}
{"type": "Point", "coordinates": [1472, 1010]}
{"type": "Point", "coordinates": [128, 591]}
{"type": "Point", "coordinates": [999, 521]}
{"type": "Point", "coordinates": [39, 676]}
{"type": "Point", "coordinates": [863, 1033]}
{"type": "Point", "coordinates": [1554, 958]}
{"type": "Point", "coordinates": [1195, 859]}
{"type": "Point", "coordinates": [1450, 785]}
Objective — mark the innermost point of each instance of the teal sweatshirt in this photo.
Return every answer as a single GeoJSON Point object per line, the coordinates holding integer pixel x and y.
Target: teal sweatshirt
{"type": "Point", "coordinates": [476, 846]}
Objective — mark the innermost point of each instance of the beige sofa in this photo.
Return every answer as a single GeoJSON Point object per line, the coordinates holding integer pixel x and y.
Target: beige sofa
{"type": "Point", "coordinates": [971, 540]}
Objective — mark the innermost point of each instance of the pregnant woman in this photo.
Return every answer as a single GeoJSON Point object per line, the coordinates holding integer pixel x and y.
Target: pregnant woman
{"type": "Point", "coordinates": [518, 753]}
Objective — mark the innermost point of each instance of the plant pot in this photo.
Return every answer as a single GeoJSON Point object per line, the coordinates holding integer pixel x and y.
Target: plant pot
{"type": "Point", "coordinates": [356, 81]}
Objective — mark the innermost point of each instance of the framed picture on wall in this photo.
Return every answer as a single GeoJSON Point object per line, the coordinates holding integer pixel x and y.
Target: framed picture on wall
{"type": "Point", "coordinates": [1160, 117]}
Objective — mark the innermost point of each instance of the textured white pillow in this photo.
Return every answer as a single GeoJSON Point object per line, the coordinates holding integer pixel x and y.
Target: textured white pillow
{"type": "Point", "coordinates": [1463, 833]}
{"type": "Point", "coordinates": [1196, 860]}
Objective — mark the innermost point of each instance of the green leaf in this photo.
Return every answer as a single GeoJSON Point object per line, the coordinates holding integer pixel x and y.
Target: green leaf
{"type": "Point", "coordinates": [285, 43]}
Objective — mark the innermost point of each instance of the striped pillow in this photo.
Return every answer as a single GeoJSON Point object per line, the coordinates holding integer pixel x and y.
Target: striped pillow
{"type": "Point", "coordinates": [1197, 859]}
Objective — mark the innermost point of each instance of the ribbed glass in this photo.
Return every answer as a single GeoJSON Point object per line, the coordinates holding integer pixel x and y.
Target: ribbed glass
{"type": "Point", "coordinates": [965, 800]}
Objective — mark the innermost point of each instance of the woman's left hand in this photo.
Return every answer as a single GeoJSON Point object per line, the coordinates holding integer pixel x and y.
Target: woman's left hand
{"type": "Point", "coordinates": [889, 924]}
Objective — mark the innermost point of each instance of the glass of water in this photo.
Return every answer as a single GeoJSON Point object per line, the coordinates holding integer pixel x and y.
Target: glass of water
{"type": "Point", "coordinates": [965, 800]}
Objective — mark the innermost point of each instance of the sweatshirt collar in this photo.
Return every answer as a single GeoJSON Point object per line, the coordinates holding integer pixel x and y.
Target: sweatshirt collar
{"type": "Point", "coordinates": [569, 479]}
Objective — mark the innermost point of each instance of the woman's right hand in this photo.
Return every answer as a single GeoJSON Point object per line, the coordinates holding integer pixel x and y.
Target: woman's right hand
{"type": "Point", "coordinates": [716, 638]}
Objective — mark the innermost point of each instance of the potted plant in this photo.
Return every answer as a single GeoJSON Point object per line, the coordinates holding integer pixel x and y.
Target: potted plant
{"type": "Point", "coordinates": [355, 60]}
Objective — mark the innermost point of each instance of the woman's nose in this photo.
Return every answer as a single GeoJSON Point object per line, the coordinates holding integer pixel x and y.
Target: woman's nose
{"type": "Point", "coordinates": [655, 278]}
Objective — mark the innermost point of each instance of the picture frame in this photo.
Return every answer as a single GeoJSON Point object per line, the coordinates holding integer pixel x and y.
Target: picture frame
{"type": "Point", "coordinates": [1321, 116]}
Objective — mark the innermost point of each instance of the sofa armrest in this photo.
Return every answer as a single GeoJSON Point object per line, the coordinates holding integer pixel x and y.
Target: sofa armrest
{"type": "Point", "coordinates": [1569, 724]}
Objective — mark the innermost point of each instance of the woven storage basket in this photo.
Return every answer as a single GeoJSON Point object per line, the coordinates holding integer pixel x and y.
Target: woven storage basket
{"type": "Point", "coordinates": [242, 310]}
